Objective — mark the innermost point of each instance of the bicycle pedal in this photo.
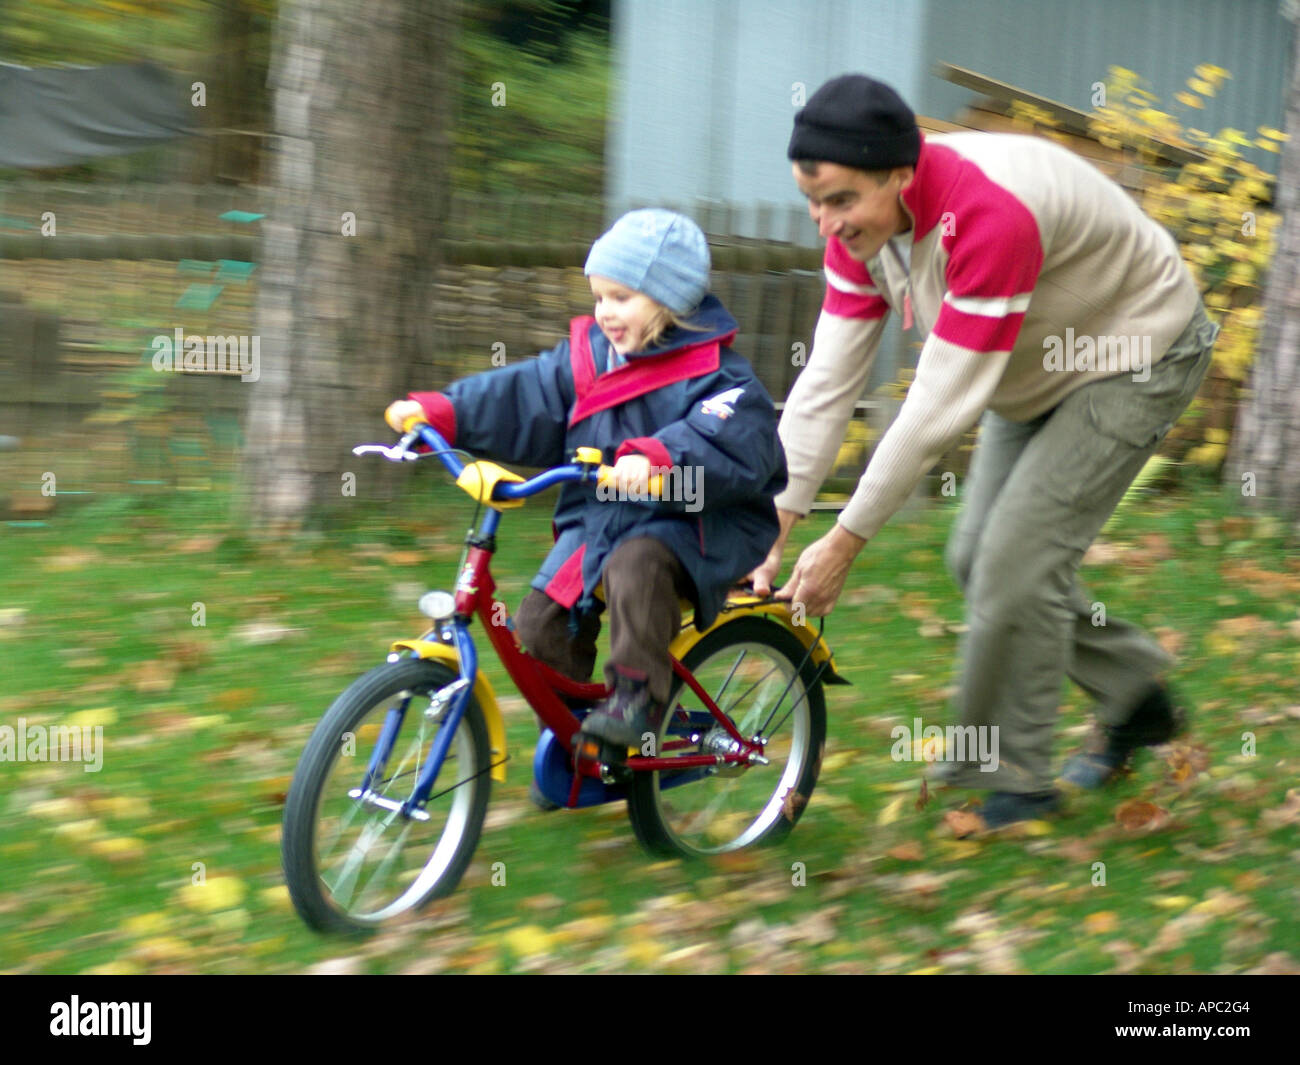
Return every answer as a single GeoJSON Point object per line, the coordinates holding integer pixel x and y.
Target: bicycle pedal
{"type": "Point", "coordinates": [609, 760]}
{"type": "Point", "coordinates": [589, 749]}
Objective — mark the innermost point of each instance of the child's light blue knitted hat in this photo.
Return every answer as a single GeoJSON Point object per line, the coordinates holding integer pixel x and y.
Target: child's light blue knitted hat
{"type": "Point", "coordinates": [658, 252]}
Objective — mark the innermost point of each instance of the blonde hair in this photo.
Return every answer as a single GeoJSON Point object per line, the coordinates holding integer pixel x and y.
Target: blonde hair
{"type": "Point", "coordinates": [664, 320]}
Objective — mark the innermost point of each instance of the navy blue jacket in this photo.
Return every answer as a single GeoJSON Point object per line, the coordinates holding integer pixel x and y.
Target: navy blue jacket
{"type": "Point", "coordinates": [688, 402]}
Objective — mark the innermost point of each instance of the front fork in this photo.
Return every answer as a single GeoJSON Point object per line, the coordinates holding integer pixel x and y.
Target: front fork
{"type": "Point", "coordinates": [451, 702]}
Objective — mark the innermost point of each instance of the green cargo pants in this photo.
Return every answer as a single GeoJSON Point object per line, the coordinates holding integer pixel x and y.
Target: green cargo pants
{"type": "Point", "coordinates": [1036, 497]}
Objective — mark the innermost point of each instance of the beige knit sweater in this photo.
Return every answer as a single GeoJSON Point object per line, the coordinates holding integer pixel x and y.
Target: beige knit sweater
{"type": "Point", "coordinates": [1031, 275]}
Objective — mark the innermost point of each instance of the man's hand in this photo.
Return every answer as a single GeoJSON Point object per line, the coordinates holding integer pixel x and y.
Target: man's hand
{"type": "Point", "coordinates": [821, 571]}
{"type": "Point", "coordinates": [398, 412]}
{"type": "Point", "coordinates": [766, 573]}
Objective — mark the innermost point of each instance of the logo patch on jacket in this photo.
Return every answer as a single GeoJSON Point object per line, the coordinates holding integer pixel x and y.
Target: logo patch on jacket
{"type": "Point", "coordinates": [721, 404]}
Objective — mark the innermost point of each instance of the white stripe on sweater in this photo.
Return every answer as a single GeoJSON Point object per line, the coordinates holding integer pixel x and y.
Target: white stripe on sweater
{"type": "Point", "coordinates": [845, 285]}
{"type": "Point", "coordinates": [992, 307]}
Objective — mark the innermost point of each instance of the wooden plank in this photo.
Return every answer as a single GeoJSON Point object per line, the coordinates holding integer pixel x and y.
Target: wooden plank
{"type": "Point", "coordinates": [1071, 118]}
{"type": "Point", "coordinates": [938, 125]}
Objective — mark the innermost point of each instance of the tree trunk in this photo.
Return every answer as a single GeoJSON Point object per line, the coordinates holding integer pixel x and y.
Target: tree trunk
{"type": "Point", "coordinates": [350, 245]}
{"type": "Point", "coordinates": [1265, 461]}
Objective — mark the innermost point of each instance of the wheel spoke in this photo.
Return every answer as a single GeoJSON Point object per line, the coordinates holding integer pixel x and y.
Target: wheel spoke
{"type": "Point", "coordinates": [343, 887]}
{"type": "Point", "coordinates": [756, 669]}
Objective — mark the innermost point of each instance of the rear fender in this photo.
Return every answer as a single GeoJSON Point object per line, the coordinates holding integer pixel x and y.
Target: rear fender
{"type": "Point", "coordinates": [779, 612]}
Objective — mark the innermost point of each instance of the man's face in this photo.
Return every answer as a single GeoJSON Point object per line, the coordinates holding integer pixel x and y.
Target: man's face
{"type": "Point", "coordinates": [851, 205]}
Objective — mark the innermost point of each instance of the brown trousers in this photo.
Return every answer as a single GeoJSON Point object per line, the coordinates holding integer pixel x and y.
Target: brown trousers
{"type": "Point", "coordinates": [644, 583]}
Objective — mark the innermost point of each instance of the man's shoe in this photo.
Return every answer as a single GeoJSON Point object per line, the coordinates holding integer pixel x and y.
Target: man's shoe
{"type": "Point", "coordinates": [1153, 720]}
{"type": "Point", "coordinates": [623, 719]}
{"type": "Point", "coordinates": [1004, 808]}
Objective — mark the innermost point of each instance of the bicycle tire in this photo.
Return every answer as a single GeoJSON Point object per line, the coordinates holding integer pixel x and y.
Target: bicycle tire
{"type": "Point", "coordinates": [660, 811]}
{"type": "Point", "coordinates": [316, 800]}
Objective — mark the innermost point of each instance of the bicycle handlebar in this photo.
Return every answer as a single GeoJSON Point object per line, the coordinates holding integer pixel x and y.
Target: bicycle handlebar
{"type": "Point", "coordinates": [427, 435]}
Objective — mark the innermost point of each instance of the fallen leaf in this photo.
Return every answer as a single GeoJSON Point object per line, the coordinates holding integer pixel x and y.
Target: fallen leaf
{"type": "Point", "coordinates": [118, 848]}
{"type": "Point", "coordinates": [1101, 923]}
{"type": "Point", "coordinates": [891, 811]}
{"type": "Point", "coordinates": [1103, 553]}
{"type": "Point", "coordinates": [154, 676]}
{"type": "Point", "coordinates": [839, 760]}
{"type": "Point", "coordinates": [216, 893]}
{"type": "Point", "coordinates": [1171, 640]}
{"type": "Point", "coordinates": [337, 967]}
{"type": "Point", "coordinates": [196, 545]}
{"type": "Point", "coordinates": [1156, 547]}
{"type": "Point", "coordinates": [907, 852]}
{"type": "Point", "coordinates": [528, 940]}
{"type": "Point", "coordinates": [162, 949]}
{"type": "Point", "coordinates": [1138, 815]}
{"type": "Point", "coordinates": [792, 804]}
{"type": "Point", "coordinates": [1077, 850]}
{"type": "Point", "coordinates": [1235, 528]}
{"type": "Point", "coordinates": [100, 715]}
{"type": "Point", "coordinates": [256, 633]}
{"type": "Point", "coordinates": [964, 823]}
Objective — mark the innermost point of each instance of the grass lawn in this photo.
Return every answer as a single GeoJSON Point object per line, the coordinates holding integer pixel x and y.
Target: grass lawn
{"type": "Point", "coordinates": [203, 724]}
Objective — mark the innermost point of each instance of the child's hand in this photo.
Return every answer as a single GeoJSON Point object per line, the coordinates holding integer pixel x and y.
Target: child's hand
{"type": "Point", "coordinates": [397, 414]}
{"type": "Point", "coordinates": [631, 471]}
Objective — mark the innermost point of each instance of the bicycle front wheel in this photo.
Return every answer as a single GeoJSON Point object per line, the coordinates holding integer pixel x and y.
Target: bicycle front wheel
{"type": "Point", "coordinates": [759, 675]}
{"type": "Point", "coordinates": [352, 863]}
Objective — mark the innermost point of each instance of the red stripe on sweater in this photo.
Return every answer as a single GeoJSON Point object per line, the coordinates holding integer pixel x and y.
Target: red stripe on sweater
{"type": "Point", "coordinates": [978, 332]}
{"type": "Point", "coordinates": [853, 305]}
{"type": "Point", "coordinates": [850, 304]}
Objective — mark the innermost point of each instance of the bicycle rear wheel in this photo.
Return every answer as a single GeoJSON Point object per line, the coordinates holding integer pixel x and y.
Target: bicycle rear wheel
{"type": "Point", "coordinates": [352, 864]}
{"type": "Point", "coordinates": [759, 674]}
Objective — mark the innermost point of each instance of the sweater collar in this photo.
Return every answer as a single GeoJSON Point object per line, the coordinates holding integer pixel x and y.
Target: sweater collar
{"type": "Point", "coordinates": [937, 169]}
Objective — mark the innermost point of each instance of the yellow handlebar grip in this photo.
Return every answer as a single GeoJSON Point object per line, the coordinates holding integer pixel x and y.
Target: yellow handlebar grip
{"type": "Point", "coordinates": [412, 420]}
{"type": "Point", "coordinates": [589, 455]}
{"type": "Point", "coordinates": [654, 484]}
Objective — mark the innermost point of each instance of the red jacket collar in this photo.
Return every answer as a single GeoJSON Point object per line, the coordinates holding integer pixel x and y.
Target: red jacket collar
{"type": "Point", "coordinates": [636, 378]}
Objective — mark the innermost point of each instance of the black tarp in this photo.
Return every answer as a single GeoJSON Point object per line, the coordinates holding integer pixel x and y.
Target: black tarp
{"type": "Point", "coordinates": [61, 116]}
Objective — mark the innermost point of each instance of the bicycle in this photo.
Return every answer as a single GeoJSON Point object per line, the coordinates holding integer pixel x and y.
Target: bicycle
{"type": "Point", "coordinates": [744, 732]}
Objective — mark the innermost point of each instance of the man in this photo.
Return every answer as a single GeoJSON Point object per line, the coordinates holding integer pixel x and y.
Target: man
{"type": "Point", "coordinates": [1061, 318]}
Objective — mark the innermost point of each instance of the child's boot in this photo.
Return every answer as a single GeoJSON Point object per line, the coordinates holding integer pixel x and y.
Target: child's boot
{"type": "Point", "coordinates": [623, 719]}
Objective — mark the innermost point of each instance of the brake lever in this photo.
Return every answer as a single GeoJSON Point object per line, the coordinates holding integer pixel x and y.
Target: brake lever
{"type": "Point", "coordinates": [399, 452]}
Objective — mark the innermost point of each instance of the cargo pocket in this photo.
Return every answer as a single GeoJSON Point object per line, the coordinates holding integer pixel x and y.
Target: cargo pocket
{"type": "Point", "coordinates": [1140, 425]}
{"type": "Point", "coordinates": [1141, 413]}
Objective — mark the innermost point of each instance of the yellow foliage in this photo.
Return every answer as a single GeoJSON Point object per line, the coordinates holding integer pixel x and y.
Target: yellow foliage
{"type": "Point", "coordinates": [1214, 208]}
{"type": "Point", "coordinates": [216, 894]}
{"type": "Point", "coordinates": [528, 940]}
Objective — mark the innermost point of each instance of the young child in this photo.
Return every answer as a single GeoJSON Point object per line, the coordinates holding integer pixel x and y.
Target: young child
{"type": "Point", "coordinates": [651, 383]}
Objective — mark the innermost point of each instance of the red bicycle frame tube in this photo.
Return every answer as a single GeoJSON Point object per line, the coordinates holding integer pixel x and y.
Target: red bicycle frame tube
{"type": "Point", "coordinates": [536, 682]}
{"type": "Point", "coordinates": [539, 684]}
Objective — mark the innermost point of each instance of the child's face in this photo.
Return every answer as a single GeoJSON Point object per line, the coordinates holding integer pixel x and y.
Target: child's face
{"type": "Point", "coordinates": [625, 316]}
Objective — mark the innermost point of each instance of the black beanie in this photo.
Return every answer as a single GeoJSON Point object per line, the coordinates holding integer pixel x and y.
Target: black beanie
{"type": "Point", "coordinates": [856, 121]}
